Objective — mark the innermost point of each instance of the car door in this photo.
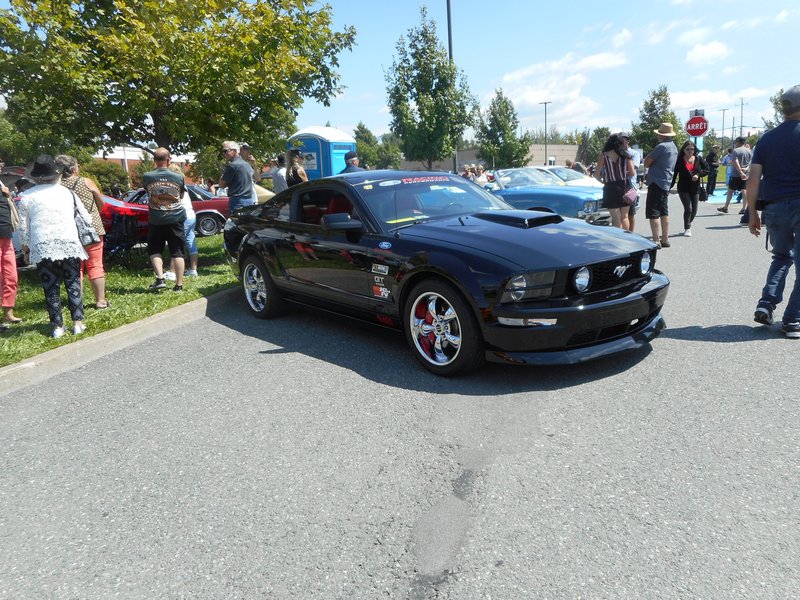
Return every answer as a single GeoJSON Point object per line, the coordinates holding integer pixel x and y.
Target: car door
{"type": "Point", "coordinates": [321, 264]}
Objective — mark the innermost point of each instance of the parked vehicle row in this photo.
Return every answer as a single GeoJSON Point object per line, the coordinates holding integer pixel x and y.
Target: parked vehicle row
{"type": "Point", "coordinates": [530, 188]}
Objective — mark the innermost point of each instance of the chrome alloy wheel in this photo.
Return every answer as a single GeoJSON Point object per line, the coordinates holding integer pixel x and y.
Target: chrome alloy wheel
{"type": "Point", "coordinates": [435, 328]}
{"type": "Point", "coordinates": [255, 290]}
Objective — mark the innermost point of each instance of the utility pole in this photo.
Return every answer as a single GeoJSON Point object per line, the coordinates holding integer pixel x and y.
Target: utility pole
{"type": "Point", "coordinates": [724, 110]}
{"type": "Point", "coordinates": [450, 51]}
{"type": "Point", "coordinates": [741, 114]}
{"type": "Point", "coordinates": [545, 129]}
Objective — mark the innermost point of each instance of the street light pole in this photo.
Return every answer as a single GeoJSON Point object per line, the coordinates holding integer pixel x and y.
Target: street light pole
{"type": "Point", "coordinates": [724, 110]}
{"type": "Point", "coordinates": [450, 51]}
{"type": "Point", "coordinates": [545, 129]}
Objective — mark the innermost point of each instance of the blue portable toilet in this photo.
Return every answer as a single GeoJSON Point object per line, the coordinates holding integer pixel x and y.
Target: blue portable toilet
{"type": "Point", "coordinates": [323, 150]}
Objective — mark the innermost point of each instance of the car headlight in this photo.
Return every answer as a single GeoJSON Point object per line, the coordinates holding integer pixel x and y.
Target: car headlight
{"type": "Point", "coordinates": [582, 279]}
{"type": "Point", "coordinates": [529, 286]}
{"type": "Point", "coordinates": [645, 263]}
{"type": "Point", "coordinates": [590, 206]}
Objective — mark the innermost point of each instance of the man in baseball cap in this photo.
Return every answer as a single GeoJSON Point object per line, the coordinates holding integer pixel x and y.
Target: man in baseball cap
{"type": "Point", "coordinates": [351, 160]}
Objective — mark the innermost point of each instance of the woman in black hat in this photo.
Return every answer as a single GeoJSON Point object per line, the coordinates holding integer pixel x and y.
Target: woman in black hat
{"type": "Point", "coordinates": [48, 232]}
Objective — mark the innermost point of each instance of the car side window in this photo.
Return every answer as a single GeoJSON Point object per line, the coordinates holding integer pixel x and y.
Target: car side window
{"type": "Point", "coordinates": [313, 205]}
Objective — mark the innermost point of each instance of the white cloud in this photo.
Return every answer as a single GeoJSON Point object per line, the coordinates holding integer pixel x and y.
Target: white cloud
{"type": "Point", "coordinates": [744, 23]}
{"type": "Point", "coordinates": [707, 54]}
{"type": "Point", "coordinates": [622, 38]}
{"type": "Point", "coordinates": [784, 16]}
{"type": "Point", "coordinates": [656, 32]}
{"type": "Point", "coordinates": [695, 36]}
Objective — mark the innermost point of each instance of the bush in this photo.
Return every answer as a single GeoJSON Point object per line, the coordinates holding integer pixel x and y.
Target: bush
{"type": "Point", "coordinates": [106, 173]}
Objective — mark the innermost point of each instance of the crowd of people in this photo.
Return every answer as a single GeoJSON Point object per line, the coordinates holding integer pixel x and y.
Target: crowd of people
{"type": "Point", "coordinates": [55, 199]}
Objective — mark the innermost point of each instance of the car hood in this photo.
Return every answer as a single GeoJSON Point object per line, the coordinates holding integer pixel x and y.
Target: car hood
{"type": "Point", "coordinates": [571, 191]}
{"type": "Point", "coordinates": [530, 239]}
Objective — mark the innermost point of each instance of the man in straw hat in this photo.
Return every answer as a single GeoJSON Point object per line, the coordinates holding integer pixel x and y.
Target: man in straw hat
{"type": "Point", "coordinates": [660, 165]}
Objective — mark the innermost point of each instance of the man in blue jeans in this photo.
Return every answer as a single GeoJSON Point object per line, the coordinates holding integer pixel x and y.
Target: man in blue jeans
{"type": "Point", "coordinates": [237, 177]}
{"type": "Point", "coordinates": [776, 159]}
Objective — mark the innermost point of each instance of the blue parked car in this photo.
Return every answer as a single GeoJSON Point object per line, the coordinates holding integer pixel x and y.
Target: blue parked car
{"type": "Point", "coordinates": [530, 189]}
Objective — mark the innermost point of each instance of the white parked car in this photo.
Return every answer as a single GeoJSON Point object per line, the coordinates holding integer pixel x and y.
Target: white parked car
{"type": "Point", "coordinates": [570, 176]}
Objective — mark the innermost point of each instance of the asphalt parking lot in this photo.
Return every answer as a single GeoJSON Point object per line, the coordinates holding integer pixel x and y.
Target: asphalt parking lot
{"type": "Point", "coordinates": [207, 454]}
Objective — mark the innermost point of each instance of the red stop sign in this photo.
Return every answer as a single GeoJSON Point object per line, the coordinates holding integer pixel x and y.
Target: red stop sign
{"type": "Point", "coordinates": [696, 126]}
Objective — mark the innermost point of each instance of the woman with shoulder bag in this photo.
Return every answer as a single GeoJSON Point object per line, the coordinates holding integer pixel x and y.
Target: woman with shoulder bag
{"type": "Point", "coordinates": [615, 168]}
{"type": "Point", "coordinates": [690, 168]}
{"type": "Point", "coordinates": [89, 194]}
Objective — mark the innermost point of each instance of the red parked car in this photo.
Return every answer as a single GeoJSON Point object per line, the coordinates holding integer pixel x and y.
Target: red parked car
{"type": "Point", "coordinates": [211, 211]}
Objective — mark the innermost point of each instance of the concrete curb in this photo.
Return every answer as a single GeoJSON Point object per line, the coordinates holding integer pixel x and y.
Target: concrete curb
{"type": "Point", "coordinates": [70, 356]}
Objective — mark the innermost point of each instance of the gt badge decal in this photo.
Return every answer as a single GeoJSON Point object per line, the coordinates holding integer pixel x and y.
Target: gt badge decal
{"type": "Point", "coordinates": [385, 245]}
{"type": "Point", "coordinates": [380, 292]}
{"type": "Point", "coordinates": [380, 269]}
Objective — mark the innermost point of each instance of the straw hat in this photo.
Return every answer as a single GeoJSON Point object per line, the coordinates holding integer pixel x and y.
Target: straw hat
{"type": "Point", "coordinates": [665, 129]}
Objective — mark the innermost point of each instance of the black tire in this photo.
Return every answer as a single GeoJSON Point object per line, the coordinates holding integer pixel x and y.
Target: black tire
{"type": "Point", "coordinates": [441, 329]}
{"type": "Point", "coordinates": [207, 225]}
{"type": "Point", "coordinates": [260, 292]}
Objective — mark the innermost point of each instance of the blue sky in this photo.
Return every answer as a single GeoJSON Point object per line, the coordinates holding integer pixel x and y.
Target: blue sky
{"type": "Point", "coordinates": [594, 62]}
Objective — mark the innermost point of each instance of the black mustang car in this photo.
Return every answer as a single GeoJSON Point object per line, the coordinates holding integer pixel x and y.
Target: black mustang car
{"type": "Point", "coordinates": [467, 277]}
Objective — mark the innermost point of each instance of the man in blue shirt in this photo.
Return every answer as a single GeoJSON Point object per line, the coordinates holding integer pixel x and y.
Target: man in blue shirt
{"type": "Point", "coordinates": [660, 165]}
{"type": "Point", "coordinates": [776, 159]}
{"type": "Point", "coordinates": [351, 162]}
{"type": "Point", "coordinates": [237, 177]}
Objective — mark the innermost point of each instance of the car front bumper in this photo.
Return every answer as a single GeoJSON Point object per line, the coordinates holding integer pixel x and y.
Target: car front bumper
{"type": "Point", "coordinates": [580, 333]}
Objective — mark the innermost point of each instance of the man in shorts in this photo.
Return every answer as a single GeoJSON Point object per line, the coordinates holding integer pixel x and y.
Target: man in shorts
{"type": "Point", "coordinates": [660, 165]}
{"type": "Point", "coordinates": [740, 163]}
{"type": "Point", "coordinates": [166, 217]}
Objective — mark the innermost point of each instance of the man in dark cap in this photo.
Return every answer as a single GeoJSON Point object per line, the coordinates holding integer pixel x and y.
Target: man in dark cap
{"type": "Point", "coordinates": [776, 158]}
{"type": "Point", "coordinates": [712, 158]}
{"type": "Point", "coordinates": [351, 160]}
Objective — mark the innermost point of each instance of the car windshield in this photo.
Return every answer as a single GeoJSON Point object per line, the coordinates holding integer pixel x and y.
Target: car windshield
{"type": "Point", "coordinates": [514, 178]}
{"type": "Point", "coordinates": [567, 174]}
{"type": "Point", "coordinates": [202, 193]}
{"type": "Point", "coordinates": [408, 200]}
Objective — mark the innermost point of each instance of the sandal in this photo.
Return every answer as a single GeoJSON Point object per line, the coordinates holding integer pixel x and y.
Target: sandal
{"type": "Point", "coordinates": [102, 306]}
{"type": "Point", "coordinates": [665, 244]}
{"type": "Point", "coordinates": [12, 320]}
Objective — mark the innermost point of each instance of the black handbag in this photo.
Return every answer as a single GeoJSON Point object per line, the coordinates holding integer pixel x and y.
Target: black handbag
{"type": "Point", "coordinates": [87, 234]}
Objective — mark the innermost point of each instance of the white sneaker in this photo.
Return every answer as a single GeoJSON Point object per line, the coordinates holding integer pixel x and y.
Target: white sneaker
{"type": "Point", "coordinates": [169, 275]}
{"type": "Point", "coordinates": [687, 233]}
{"type": "Point", "coordinates": [78, 329]}
{"type": "Point", "coordinates": [58, 332]}
{"type": "Point", "coordinates": [190, 272]}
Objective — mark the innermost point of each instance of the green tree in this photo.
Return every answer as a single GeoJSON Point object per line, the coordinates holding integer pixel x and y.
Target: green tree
{"type": "Point", "coordinates": [207, 163]}
{"type": "Point", "coordinates": [18, 148]}
{"type": "Point", "coordinates": [776, 106]}
{"type": "Point", "coordinates": [654, 111]}
{"type": "Point", "coordinates": [367, 145]}
{"type": "Point", "coordinates": [429, 99]}
{"type": "Point", "coordinates": [182, 74]}
{"type": "Point", "coordinates": [143, 167]}
{"type": "Point", "coordinates": [498, 142]}
{"type": "Point", "coordinates": [595, 143]}
{"type": "Point", "coordinates": [106, 174]}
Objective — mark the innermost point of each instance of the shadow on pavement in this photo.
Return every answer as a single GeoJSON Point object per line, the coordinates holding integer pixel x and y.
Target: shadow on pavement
{"type": "Point", "coordinates": [382, 355]}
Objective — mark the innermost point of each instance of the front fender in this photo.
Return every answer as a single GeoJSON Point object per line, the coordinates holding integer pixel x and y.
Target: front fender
{"type": "Point", "coordinates": [478, 281]}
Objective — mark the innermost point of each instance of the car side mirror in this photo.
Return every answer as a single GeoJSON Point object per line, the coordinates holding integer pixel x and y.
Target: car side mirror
{"type": "Point", "coordinates": [340, 222]}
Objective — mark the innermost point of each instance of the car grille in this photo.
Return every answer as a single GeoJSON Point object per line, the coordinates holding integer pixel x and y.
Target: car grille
{"type": "Point", "coordinates": [614, 273]}
{"type": "Point", "coordinates": [610, 332]}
